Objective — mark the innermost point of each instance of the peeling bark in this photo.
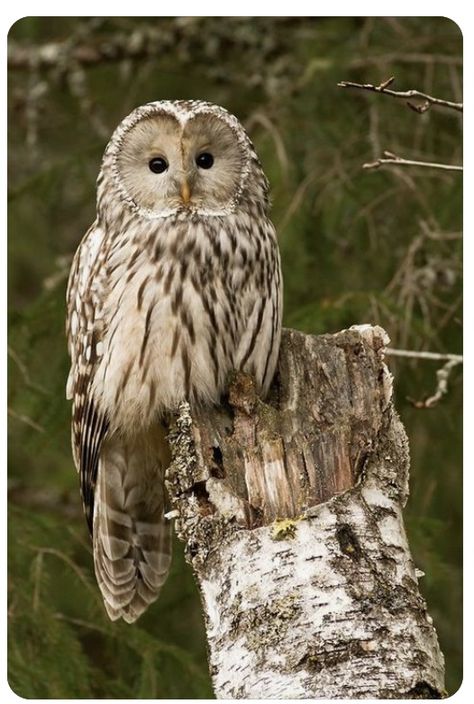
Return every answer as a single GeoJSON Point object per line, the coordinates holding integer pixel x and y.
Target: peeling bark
{"type": "Point", "coordinates": [291, 515]}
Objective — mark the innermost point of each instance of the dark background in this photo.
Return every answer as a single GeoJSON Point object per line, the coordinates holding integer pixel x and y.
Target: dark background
{"type": "Point", "coordinates": [357, 246]}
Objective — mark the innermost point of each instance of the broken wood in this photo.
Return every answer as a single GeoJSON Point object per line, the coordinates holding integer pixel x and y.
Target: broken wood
{"type": "Point", "coordinates": [291, 515]}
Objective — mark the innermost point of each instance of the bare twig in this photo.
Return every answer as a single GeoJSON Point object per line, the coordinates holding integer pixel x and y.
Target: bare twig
{"type": "Point", "coordinates": [80, 622]}
{"type": "Point", "coordinates": [430, 262]}
{"type": "Point", "coordinates": [390, 158]}
{"type": "Point", "coordinates": [26, 420]}
{"type": "Point", "coordinates": [438, 236]}
{"type": "Point", "coordinates": [442, 375]}
{"type": "Point", "coordinates": [415, 354]}
{"type": "Point", "coordinates": [297, 199]}
{"type": "Point", "coordinates": [68, 561]}
{"type": "Point", "coordinates": [450, 311]}
{"type": "Point", "coordinates": [428, 100]}
{"type": "Point", "coordinates": [24, 371]}
{"type": "Point", "coordinates": [260, 118]}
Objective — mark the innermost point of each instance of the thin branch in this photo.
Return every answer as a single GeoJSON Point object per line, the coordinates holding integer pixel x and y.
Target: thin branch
{"type": "Point", "coordinates": [297, 199]}
{"type": "Point", "coordinates": [390, 158]}
{"type": "Point", "coordinates": [442, 376]}
{"type": "Point", "coordinates": [260, 118]}
{"type": "Point", "coordinates": [80, 622]}
{"type": "Point", "coordinates": [75, 568]}
{"type": "Point", "coordinates": [429, 100]}
{"type": "Point", "coordinates": [449, 313]}
{"type": "Point", "coordinates": [24, 371]}
{"type": "Point", "coordinates": [415, 354]}
{"type": "Point", "coordinates": [438, 236]}
{"type": "Point", "coordinates": [26, 420]}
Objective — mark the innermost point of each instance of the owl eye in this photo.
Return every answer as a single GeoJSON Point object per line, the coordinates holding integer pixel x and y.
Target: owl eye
{"type": "Point", "coordinates": [204, 160]}
{"type": "Point", "coordinates": [158, 164]}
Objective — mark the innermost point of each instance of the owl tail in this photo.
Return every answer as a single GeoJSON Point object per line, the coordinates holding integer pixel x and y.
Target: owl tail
{"type": "Point", "coordinates": [131, 537]}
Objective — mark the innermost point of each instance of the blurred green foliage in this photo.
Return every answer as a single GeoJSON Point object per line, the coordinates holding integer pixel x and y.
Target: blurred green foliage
{"type": "Point", "coordinates": [357, 246]}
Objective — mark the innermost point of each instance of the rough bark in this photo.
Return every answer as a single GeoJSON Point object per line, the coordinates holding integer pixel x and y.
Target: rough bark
{"type": "Point", "coordinates": [291, 514]}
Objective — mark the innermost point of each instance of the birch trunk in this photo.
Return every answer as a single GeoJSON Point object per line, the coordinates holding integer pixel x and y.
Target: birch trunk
{"type": "Point", "coordinates": [291, 514]}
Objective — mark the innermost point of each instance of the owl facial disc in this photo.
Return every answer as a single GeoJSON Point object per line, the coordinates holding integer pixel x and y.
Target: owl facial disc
{"type": "Point", "coordinates": [178, 158]}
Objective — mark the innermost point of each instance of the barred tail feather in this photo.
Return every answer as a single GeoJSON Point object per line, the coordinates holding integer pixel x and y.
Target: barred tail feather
{"type": "Point", "coordinates": [131, 537]}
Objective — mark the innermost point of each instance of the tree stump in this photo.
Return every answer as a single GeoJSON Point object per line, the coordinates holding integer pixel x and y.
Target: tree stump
{"type": "Point", "coordinates": [291, 515]}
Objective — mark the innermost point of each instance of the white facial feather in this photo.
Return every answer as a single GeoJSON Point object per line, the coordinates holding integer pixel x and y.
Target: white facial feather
{"type": "Point", "coordinates": [179, 132]}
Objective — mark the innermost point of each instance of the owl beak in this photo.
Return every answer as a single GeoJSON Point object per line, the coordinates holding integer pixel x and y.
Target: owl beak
{"type": "Point", "coordinates": [185, 191]}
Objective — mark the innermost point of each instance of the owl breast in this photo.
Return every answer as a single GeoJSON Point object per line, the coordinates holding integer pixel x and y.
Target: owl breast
{"type": "Point", "coordinates": [186, 303]}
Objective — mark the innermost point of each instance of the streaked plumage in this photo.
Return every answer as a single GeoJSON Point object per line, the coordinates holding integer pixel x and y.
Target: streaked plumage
{"type": "Point", "coordinates": [176, 284]}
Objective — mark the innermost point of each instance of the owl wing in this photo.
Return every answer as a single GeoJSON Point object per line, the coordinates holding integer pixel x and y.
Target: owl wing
{"type": "Point", "coordinates": [262, 301]}
{"type": "Point", "coordinates": [84, 299]}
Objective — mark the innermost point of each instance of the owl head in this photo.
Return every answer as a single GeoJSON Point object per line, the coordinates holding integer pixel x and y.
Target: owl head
{"type": "Point", "coordinates": [181, 157]}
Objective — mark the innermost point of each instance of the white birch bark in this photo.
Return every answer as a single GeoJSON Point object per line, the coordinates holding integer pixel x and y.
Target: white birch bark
{"type": "Point", "coordinates": [291, 513]}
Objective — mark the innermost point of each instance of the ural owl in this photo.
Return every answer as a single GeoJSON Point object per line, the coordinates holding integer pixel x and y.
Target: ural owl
{"type": "Point", "coordinates": [176, 284]}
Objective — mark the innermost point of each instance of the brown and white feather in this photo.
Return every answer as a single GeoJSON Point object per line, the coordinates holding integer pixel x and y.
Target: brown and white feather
{"type": "Point", "coordinates": [164, 300]}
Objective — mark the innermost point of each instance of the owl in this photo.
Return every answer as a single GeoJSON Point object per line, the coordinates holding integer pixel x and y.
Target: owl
{"type": "Point", "coordinates": [175, 285]}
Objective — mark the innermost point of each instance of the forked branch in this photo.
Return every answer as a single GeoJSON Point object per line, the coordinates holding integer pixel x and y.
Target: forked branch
{"type": "Point", "coordinates": [390, 159]}
{"type": "Point", "coordinates": [407, 95]}
{"type": "Point", "coordinates": [442, 375]}
{"type": "Point", "coordinates": [421, 354]}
